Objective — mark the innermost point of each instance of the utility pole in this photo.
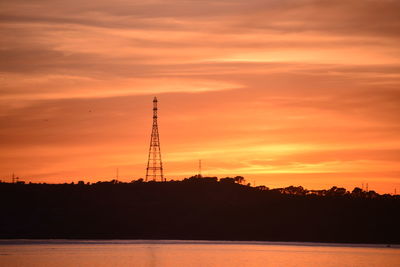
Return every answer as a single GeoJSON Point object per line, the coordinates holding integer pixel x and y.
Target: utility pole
{"type": "Point", "coordinates": [154, 168]}
{"type": "Point", "coordinates": [199, 175]}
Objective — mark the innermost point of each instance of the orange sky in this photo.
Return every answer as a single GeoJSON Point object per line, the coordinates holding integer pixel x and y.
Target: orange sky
{"type": "Point", "coordinates": [282, 92]}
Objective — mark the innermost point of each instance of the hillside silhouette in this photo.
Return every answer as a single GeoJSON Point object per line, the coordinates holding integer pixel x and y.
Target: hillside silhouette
{"type": "Point", "coordinates": [197, 208]}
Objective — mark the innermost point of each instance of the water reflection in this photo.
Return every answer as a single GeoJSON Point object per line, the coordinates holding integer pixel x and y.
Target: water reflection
{"type": "Point", "coordinates": [152, 258]}
{"type": "Point", "coordinates": [60, 253]}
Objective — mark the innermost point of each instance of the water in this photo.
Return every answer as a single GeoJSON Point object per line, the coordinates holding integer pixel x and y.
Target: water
{"type": "Point", "coordinates": [145, 253]}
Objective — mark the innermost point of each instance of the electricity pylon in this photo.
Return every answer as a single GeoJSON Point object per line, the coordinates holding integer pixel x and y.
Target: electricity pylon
{"type": "Point", "coordinates": [154, 169]}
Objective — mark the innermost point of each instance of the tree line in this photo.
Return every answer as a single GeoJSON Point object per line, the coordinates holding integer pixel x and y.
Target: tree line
{"type": "Point", "coordinates": [197, 208]}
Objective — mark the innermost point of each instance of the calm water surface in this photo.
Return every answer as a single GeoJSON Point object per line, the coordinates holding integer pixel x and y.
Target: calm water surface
{"type": "Point", "coordinates": [61, 253]}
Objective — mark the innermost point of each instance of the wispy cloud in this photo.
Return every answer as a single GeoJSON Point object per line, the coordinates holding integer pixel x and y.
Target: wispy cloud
{"type": "Point", "coordinates": [259, 87]}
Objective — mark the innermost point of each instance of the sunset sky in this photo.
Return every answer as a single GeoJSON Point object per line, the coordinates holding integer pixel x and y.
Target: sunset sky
{"type": "Point", "coordinates": [302, 92]}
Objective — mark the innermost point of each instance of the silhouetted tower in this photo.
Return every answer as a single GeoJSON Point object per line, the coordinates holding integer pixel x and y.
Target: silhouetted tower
{"type": "Point", "coordinates": [154, 169]}
{"type": "Point", "coordinates": [199, 175]}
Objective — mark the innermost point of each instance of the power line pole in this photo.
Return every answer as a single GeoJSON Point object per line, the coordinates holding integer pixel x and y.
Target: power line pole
{"type": "Point", "coordinates": [199, 175]}
{"type": "Point", "coordinates": [154, 164]}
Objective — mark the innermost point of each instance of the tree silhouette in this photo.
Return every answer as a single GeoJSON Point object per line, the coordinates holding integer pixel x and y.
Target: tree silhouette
{"type": "Point", "coordinates": [197, 208]}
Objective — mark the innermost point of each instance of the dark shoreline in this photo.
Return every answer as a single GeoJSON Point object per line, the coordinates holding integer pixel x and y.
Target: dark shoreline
{"type": "Point", "coordinates": [196, 209]}
{"type": "Point", "coordinates": [5, 242]}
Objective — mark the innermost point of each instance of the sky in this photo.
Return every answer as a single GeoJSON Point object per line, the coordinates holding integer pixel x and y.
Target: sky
{"type": "Point", "coordinates": [282, 92]}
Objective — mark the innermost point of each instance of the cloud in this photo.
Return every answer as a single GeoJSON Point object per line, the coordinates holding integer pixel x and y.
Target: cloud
{"type": "Point", "coordinates": [238, 81]}
{"type": "Point", "coordinates": [284, 16]}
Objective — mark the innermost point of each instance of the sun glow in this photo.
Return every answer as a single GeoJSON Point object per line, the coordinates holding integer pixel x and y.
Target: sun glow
{"type": "Point", "coordinates": [304, 94]}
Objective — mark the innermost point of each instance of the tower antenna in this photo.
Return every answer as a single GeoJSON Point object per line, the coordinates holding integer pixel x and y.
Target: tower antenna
{"type": "Point", "coordinates": [199, 168]}
{"type": "Point", "coordinates": [154, 164]}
